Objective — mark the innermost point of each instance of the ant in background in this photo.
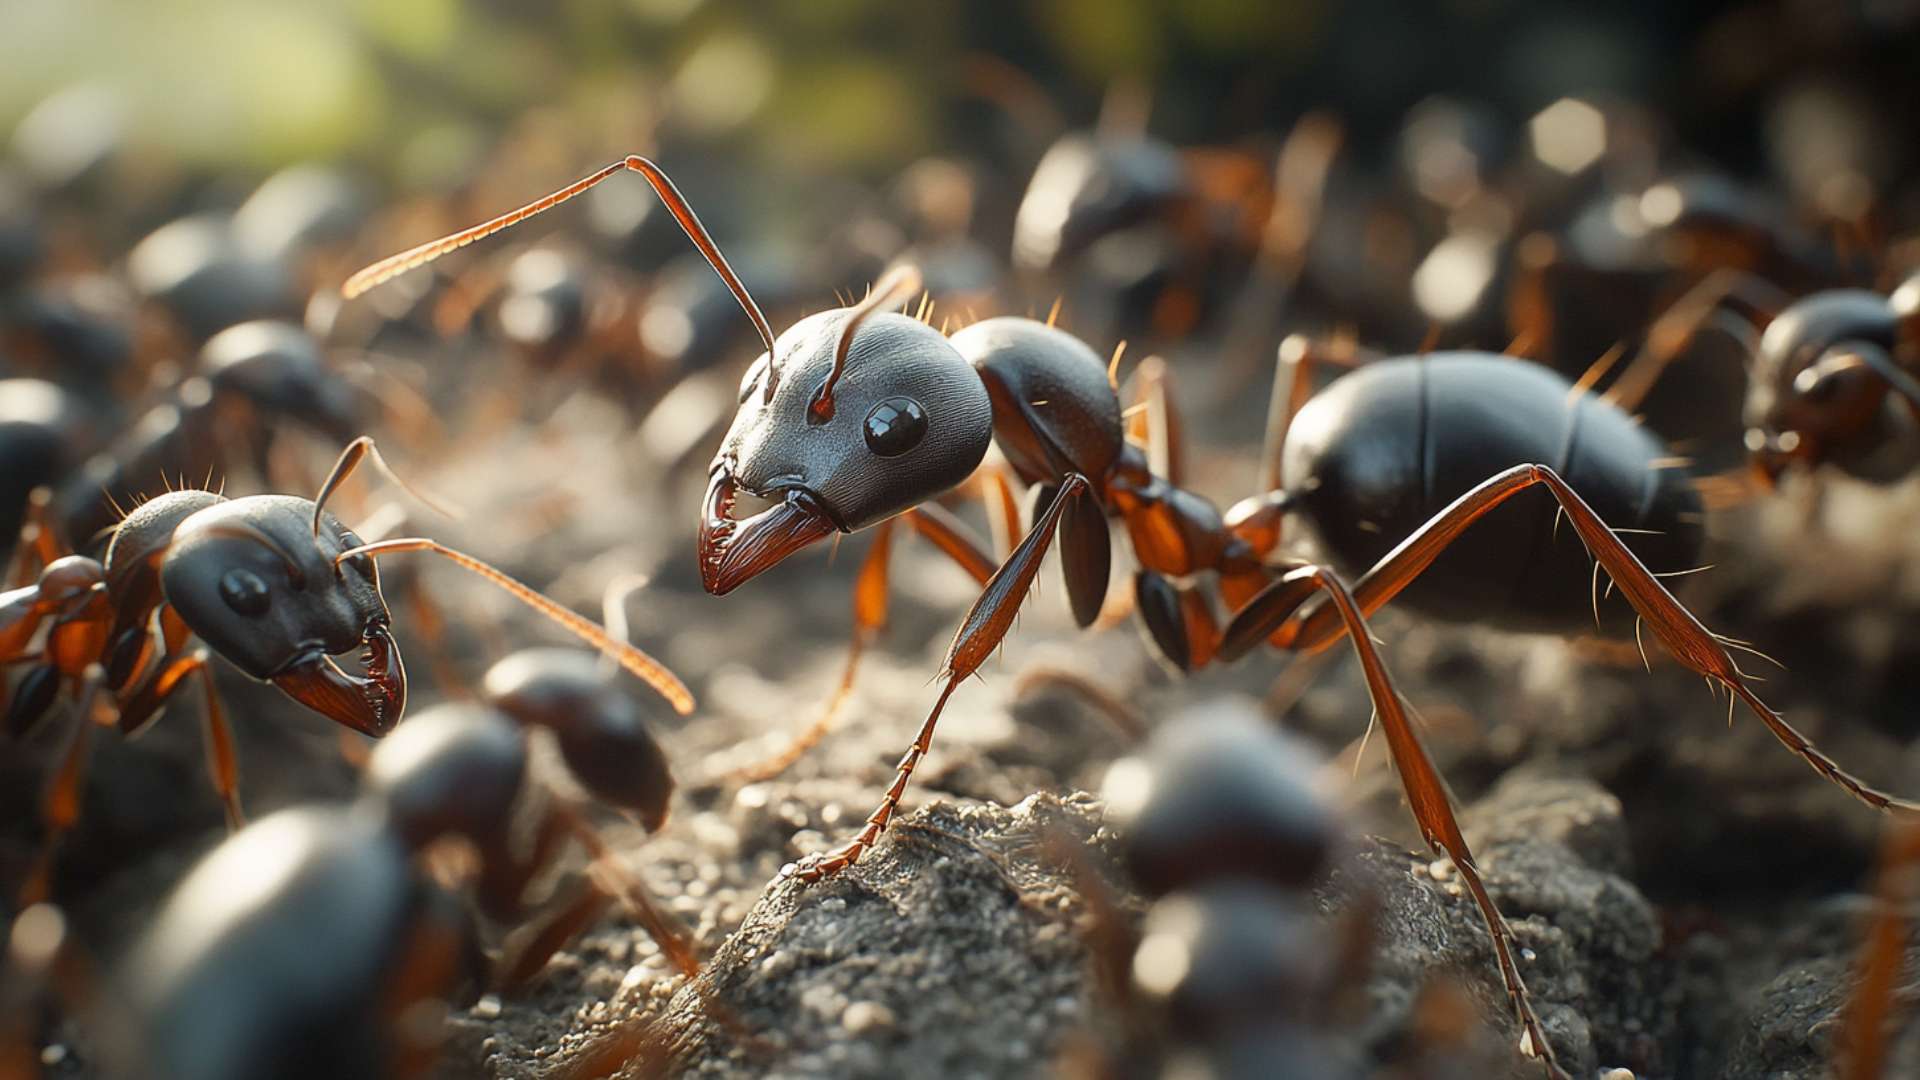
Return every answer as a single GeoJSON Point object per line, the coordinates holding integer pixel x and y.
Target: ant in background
{"type": "Point", "coordinates": [272, 583]}
{"type": "Point", "coordinates": [313, 970]}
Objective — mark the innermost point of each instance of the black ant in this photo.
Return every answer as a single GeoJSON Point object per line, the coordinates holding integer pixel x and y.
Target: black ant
{"type": "Point", "coordinates": [1833, 378]}
{"type": "Point", "coordinates": [314, 960]}
{"type": "Point", "coordinates": [272, 583]}
{"type": "Point", "coordinates": [843, 431]}
{"type": "Point", "coordinates": [1224, 827]}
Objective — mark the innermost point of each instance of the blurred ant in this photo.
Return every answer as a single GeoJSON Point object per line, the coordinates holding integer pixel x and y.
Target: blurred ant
{"type": "Point", "coordinates": [304, 944]}
{"type": "Point", "coordinates": [272, 583]}
{"type": "Point", "coordinates": [1222, 825]}
{"type": "Point", "coordinates": [1833, 378]}
{"type": "Point", "coordinates": [249, 383]}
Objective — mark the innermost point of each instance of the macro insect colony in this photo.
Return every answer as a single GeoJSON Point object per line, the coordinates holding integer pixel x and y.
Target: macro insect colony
{"type": "Point", "coordinates": [854, 418]}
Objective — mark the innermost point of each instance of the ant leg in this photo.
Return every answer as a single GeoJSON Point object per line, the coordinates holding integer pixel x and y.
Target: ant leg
{"type": "Point", "coordinates": [526, 951]}
{"type": "Point", "coordinates": [1127, 721]}
{"type": "Point", "coordinates": [429, 626]}
{"type": "Point", "coordinates": [144, 703]}
{"type": "Point", "coordinates": [1863, 1034]}
{"type": "Point", "coordinates": [869, 619]}
{"type": "Point", "coordinates": [1426, 791]}
{"type": "Point", "coordinates": [1691, 643]}
{"type": "Point", "coordinates": [613, 877]}
{"type": "Point", "coordinates": [1003, 507]}
{"type": "Point", "coordinates": [979, 635]}
{"type": "Point", "coordinates": [60, 803]}
{"type": "Point", "coordinates": [1721, 293]}
{"type": "Point", "coordinates": [1257, 518]}
{"type": "Point", "coordinates": [1154, 421]}
{"type": "Point", "coordinates": [946, 532]}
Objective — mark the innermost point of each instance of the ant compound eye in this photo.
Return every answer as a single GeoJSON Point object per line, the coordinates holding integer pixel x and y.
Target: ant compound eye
{"type": "Point", "coordinates": [896, 426]}
{"type": "Point", "coordinates": [244, 592]}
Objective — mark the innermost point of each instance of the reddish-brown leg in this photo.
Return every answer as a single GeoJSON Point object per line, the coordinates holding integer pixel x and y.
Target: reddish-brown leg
{"type": "Point", "coordinates": [146, 700]}
{"type": "Point", "coordinates": [1003, 507]}
{"type": "Point", "coordinates": [38, 542]}
{"type": "Point", "coordinates": [616, 880]}
{"type": "Point", "coordinates": [869, 619]}
{"type": "Point", "coordinates": [1154, 422]}
{"type": "Point", "coordinates": [1426, 791]}
{"type": "Point", "coordinates": [1719, 294]}
{"type": "Point", "coordinates": [1862, 1043]}
{"type": "Point", "coordinates": [979, 635]}
{"type": "Point", "coordinates": [526, 951]}
{"type": "Point", "coordinates": [1691, 643]}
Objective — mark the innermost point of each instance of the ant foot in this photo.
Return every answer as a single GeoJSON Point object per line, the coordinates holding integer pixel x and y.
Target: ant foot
{"type": "Point", "coordinates": [824, 864]}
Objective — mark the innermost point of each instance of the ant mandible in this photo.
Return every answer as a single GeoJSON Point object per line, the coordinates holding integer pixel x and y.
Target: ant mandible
{"type": "Point", "coordinates": [273, 583]}
{"type": "Point", "coordinates": [844, 431]}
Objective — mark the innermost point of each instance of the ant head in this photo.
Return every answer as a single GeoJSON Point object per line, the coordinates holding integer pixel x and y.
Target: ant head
{"type": "Point", "coordinates": [601, 728]}
{"type": "Point", "coordinates": [1819, 391]}
{"type": "Point", "coordinates": [1088, 186]}
{"type": "Point", "coordinates": [842, 432]}
{"type": "Point", "coordinates": [255, 581]}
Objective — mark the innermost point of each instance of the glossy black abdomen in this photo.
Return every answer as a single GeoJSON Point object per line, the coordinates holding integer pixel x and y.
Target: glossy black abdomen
{"type": "Point", "coordinates": [1383, 449]}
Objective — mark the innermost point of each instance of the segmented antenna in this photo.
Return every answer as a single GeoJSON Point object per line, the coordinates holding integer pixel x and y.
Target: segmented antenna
{"type": "Point", "coordinates": [643, 667]}
{"type": "Point", "coordinates": [894, 286]}
{"type": "Point", "coordinates": [349, 459]}
{"type": "Point", "coordinates": [676, 204]}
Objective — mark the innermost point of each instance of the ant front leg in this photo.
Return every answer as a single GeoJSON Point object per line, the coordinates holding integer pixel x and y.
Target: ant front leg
{"type": "Point", "coordinates": [870, 592]}
{"type": "Point", "coordinates": [986, 624]}
{"type": "Point", "coordinates": [140, 707]}
{"type": "Point", "coordinates": [1691, 643]}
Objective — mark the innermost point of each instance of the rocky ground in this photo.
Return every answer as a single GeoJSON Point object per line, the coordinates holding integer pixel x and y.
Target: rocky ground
{"type": "Point", "coordinates": [1687, 893]}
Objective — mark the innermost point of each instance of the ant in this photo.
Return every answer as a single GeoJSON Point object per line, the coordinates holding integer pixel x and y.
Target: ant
{"type": "Point", "coordinates": [272, 583]}
{"type": "Point", "coordinates": [1222, 825]}
{"type": "Point", "coordinates": [842, 431]}
{"type": "Point", "coordinates": [250, 383]}
{"type": "Point", "coordinates": [1833, 378]}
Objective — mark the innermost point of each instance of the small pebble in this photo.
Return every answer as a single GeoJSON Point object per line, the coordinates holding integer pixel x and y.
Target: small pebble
{"type": "Point", "coordinates": [864, 1016]}
{"type": "Point", "coordinates": [777, 963]}
{"type": "Point", "coordinates": [1617, 1074]}
{"type": "Point", "coordinates": [488, 1007]}
{"type": "Point", "coordinates": [53, 1054]}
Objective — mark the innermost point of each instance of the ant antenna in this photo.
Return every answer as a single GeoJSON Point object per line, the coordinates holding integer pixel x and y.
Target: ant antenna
{"type": "Point", "coordinates": [894, 286]}
{"type": "Point", "coordinates": [613, 609]}
{"type": "Point", "coordinates": [350, 458]}
{"type": "Point", "coordinates": [662, 185]}
{"type": "Point", "coordinates": [644, 667]}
